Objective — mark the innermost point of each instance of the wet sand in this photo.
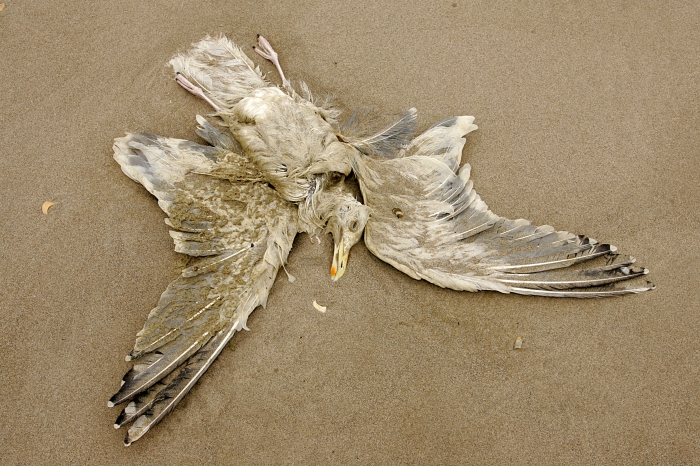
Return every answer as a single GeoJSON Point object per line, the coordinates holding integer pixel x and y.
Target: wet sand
{"type": "Point", "coordinates": [588, 118]}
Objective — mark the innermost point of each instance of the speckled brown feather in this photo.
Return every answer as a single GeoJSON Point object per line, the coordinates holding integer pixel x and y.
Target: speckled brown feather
{"type": "Point", "coordinates": [239, 235]}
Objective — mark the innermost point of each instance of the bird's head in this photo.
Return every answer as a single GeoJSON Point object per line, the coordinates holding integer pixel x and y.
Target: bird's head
{"type": "Point", "coordinates": [346, 223]}
{"type": "Point", "coordinates": [332, 207]}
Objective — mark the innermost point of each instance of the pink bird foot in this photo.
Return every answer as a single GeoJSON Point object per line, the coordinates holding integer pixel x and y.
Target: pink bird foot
{"type": "Point", "coordinates": [192, 89]}
{"type": "Point", "coordinates": [266, 51]}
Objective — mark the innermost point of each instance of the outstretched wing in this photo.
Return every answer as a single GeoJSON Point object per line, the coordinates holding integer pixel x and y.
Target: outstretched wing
{"type": "Point", "coordinates": [427, 221]}
{"type": "Point", "coordinates": [238, 234]}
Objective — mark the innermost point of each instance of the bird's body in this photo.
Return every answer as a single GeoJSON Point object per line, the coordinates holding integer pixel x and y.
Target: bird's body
{"type": "Point", "coordinates": [291, 139]}
{"type": "Point", "coordinates": [280, 168]}
{"type": "Point", "coordinates": [288, 139]}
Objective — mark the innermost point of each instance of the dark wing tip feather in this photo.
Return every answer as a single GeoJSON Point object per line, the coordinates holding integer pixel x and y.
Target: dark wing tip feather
{"type": "Point", "coordinates": [597, 276]}
{"type": "Point", "coordinates": [180, 383]}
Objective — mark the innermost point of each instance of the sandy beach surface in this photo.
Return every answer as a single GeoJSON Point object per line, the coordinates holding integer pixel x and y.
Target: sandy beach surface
{"type": "Point", "coordinates": [588, 115]}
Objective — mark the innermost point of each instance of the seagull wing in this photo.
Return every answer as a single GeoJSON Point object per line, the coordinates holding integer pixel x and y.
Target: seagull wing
{"type": "Point", "coordinates": [427, 221]}
{"type": "Point", "coordinates": [238, 234]}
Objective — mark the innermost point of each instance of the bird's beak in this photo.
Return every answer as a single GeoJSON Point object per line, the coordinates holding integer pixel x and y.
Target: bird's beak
{"type": "Point", "coordinates": [340, 259]}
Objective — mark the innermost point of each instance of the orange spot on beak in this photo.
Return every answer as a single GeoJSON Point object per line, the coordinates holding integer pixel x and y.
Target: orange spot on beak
{"type": "Point", "coordinates": [332, 271]}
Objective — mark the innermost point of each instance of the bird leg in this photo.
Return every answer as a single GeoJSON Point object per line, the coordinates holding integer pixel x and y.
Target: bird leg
{"type": "Point", "coordinates": [192, 89]}
{"type": "Point", "coordinates": [266, 51]}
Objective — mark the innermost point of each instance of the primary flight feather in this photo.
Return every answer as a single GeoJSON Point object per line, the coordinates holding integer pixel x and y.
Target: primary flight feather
{"type": "Point", "coordinates": [278, 167]}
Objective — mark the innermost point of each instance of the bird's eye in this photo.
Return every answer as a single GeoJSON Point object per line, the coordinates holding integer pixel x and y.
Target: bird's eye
{"type": "Point", "coordinates": [354, 225]}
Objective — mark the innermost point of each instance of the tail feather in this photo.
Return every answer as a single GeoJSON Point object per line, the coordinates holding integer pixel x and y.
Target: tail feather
{"type": "Point", "coordinates": [221, 69]}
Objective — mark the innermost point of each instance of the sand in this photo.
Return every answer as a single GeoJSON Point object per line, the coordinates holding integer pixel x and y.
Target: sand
{"type": "Point", "coordinates": [588, 116]}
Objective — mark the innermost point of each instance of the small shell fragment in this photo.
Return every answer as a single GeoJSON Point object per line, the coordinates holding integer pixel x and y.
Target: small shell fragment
{"type": "Point", "coordinates": [518, 343]}
{"type": "Point", "coordinates": [319, 307]}
{"type": "Point", "coordinates": [46, 205]}
{"type": "Point", "coordinates": [2, 5]}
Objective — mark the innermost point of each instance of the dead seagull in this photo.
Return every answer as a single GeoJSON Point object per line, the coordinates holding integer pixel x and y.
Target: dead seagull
{"type": "Point", "coordinates": [278, 168]}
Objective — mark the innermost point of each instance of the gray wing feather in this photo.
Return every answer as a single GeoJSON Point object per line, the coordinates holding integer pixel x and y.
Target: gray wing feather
{"type": "Point", "coordinates": [160, 164]}
{"type": "Point", "coordinates": [216, 138]}
{"type": "Point", "coordinates": [142, 402]}
{"type": "Point", "coordinates": [174, 390]}
{"type": "Point", "coordinates": [361, 132]}
{"type": "Point", "coordinates": [444, 142]}
{"type": "Point", "coordinates": [180, 349]}
{"type": "Point", "coordinates": [239, 235]}
{"type": "Point", "coordinates": [427, 221]}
